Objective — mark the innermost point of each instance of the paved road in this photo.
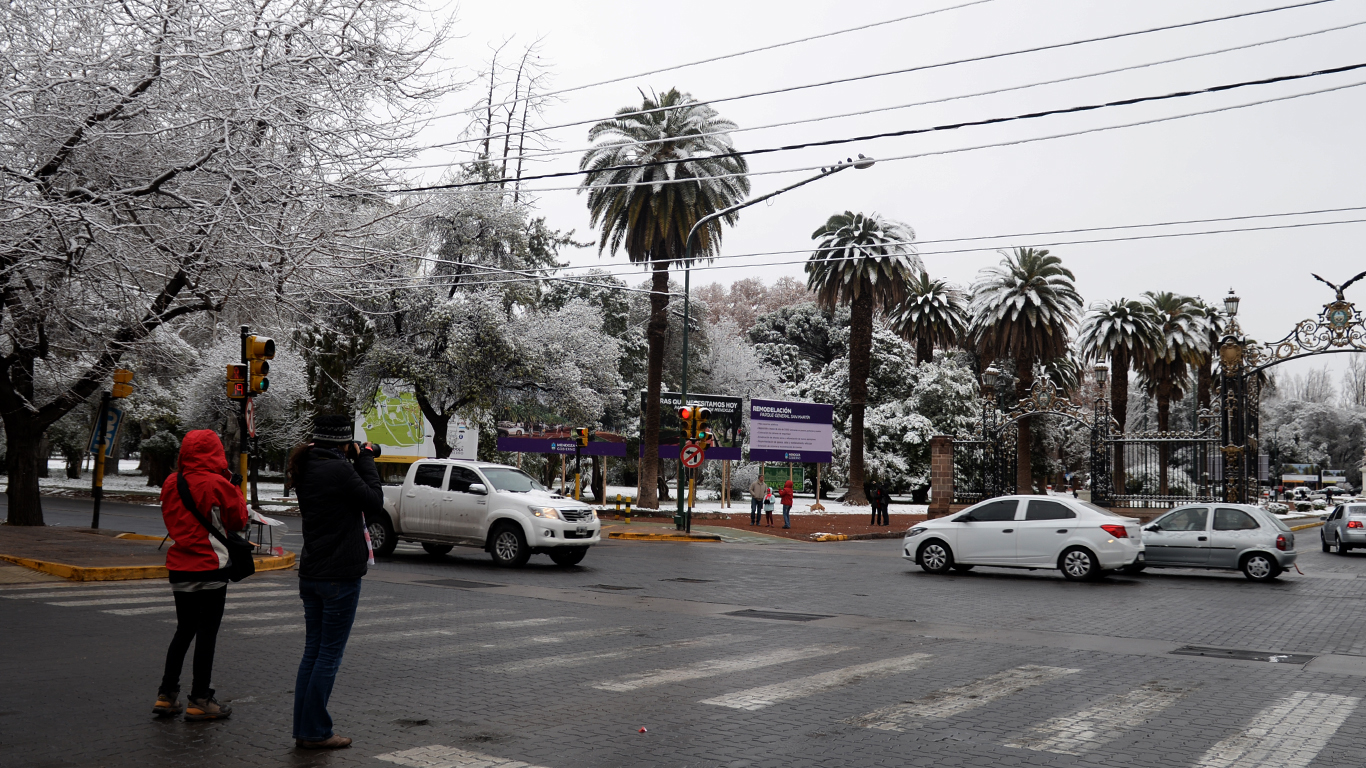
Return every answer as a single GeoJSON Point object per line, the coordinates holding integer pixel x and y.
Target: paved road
{"type": "Point", "coordinates": [561, 667]}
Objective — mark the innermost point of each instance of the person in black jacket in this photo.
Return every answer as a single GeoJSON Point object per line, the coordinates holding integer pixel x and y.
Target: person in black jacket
{"type": "Point", "coordinates": [337, 484]}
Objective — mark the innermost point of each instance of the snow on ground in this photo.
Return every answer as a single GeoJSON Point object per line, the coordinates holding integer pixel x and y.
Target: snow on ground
{"type": "Point", "coordinates": [708, 502]}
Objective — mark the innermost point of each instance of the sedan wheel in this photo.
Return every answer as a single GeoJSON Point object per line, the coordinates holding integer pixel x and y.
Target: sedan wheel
{"type": "Point", "coordinates": [1260, 567]}
{"type": "Point", "coordinates": [936, 557]}
{"type": "Point", "coordinates": [1079, 565]}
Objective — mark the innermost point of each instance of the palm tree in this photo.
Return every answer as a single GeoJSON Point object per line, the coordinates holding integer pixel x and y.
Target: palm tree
{"type": "Point", "coordinates": [1185, 340]}
{"type": "Point", "coordinates": [1024, 309]}
{"type": "Point", "coordinates": [1128, 333]}
{"type": "Point", "coordinates": [865, 262]}
{"type": "Point", "coordinates": [1214, 332]}
{"type": "Point", "coordinates": [933, 315]}
{"type": "Point", "coordinates": [651, 177]}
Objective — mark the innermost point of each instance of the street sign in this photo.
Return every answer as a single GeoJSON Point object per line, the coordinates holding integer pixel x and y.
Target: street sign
{"type": "Point", "coordinates": [251, 416]}
{"type": "Point", "coordinates": [112, 422]}
{"type": "Point", "coordinates": [692, 455]}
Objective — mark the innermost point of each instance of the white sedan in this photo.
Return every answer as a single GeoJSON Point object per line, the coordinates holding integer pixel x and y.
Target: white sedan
{"type": "Point", "coordinates": [1078, 538]}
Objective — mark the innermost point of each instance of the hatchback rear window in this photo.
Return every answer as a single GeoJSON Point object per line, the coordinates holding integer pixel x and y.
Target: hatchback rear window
{"type": "Point", "coordinates": [1279, 523]}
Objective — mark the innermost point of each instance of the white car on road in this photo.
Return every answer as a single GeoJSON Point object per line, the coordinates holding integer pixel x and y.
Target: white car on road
{"type": "Point", "coordinates": [1078, 538]}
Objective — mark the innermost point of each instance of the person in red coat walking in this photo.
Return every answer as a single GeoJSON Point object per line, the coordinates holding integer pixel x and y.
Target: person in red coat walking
{"type": "Point", "coordinates": [198, 570]}
{"type": "Point", "coordinates": [785, 496]}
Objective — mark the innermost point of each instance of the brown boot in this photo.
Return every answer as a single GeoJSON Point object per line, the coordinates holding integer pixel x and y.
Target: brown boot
{"type": "Point", "coordinates": [207, 708]}
{"type": "Point", "coordinates": [167, 704]}
{"type": "Point", "coordinates": [331, 742]}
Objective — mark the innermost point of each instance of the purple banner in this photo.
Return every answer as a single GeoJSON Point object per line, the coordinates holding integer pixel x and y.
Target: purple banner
{"type": "Point", "coordinates": [781, 430]}
{"type": "Point", "coordinates": [561, 445]}
{"type": "Point", "coordinates": [719, 452]}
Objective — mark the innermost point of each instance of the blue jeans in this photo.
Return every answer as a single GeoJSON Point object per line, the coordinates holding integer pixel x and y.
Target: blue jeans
{"type": "Point", "coordinates": [787, 512]}
{"type": "Point", "coordinates": [329, 610]}
{"type": "Point", "coordinates": [754, 506]}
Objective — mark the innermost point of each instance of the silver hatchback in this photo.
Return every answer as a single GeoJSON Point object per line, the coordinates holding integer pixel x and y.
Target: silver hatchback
{"type": "Point", "coordinates": [1235, 537]}
{"type": "Point", "coordinates": [1344, 528]}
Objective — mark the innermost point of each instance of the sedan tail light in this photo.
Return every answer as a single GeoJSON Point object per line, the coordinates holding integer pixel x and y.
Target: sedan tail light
{"type": "Point", "coordinates": [1281, 543]}
{"type": "Point", "coordinates": [1118, 531]}
{"type": "Point", "coordinates": [1355, 524]}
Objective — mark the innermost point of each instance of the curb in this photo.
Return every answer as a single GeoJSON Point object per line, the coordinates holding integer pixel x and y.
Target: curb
{"type": "Point", "coordinates": [628, 535]}
{"type": "Point", "coordinates": [141, 537]}
{"type": "Point", "coordinates": [129, 572]}
{"type": "Point", "coordinates": [1310, 525]}
{"type": "Point", "coordinates": [857, 536]}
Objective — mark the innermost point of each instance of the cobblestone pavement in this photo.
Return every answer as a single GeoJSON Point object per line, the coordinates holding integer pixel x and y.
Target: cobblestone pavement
{"type": "Point", "coordinates": [456, 664]}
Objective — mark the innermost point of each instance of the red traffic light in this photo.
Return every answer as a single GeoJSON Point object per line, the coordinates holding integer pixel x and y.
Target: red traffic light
{"type": "Point", "coordinates": [685, 413]}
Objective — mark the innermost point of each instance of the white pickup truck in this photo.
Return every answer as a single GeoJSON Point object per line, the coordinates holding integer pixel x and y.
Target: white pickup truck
{"type": "Point", "coordinates": [445, 503]}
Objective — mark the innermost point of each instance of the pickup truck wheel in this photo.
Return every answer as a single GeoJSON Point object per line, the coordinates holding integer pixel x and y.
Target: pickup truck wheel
{"type": "Point", "coordinates": [382, 538]}
{"type": "Point", "coordinates": [509, 548]}
{"type": "Point", "coordinates": [567, 556]}
{"type": "Point", "coordinates": [437, 549]}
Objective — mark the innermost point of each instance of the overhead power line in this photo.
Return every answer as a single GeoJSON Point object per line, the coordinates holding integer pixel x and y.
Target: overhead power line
{"type": "Point", "coordinates": [876, 110]}
{"type": "Point", "coordinates": [901, 133]}
{"type": "Point", "coordinates": [905, 70]}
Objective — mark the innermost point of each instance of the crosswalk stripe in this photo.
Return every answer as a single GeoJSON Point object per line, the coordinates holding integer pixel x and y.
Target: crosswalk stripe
{"type": "Point", "coordinates": [948, 702]}
{"type": "Point", "coordinates": [439, 756]}
{"type": "Point", "coordinates": [1287, 734]}
{"type": "Point", "coordinates": [1104, 721]}
{"type": "Point", "coordinates": [170, 607]}
{"type": "Point", "coordinates": [767, 695]}
{"type": "Point", "coordinates": [446, 631]}
{"type": "Point", "coordinates": [277, 615]}
{"type": "Point", "coordinates": [460, 649]}
{"type": "Point", "coordinates": [280, 629]}
{"type": "Point", "coordinates": [161, 587]}
{"type": "Point", "coordinates": [167, 598]}
{"type": "Point", "coordinates": [714, 667]}
{"type": "Point", "coordinates": [525, 666]}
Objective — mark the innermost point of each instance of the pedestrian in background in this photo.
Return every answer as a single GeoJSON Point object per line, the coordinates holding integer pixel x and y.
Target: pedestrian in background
{"type": "Point", "coordinates": [337, 485]}
{"type": "Point", "coordinates": [757, 490]}
{"type": "Point", "coordinates": [886, 505]}
{"type": "Point", "coordinates": [785, 496]}
{"type": "Point", "coordinates": [198, 565]}
{"type": "Point", "coordinates": [874, 492]}
{"type": "Point", "coordinates": [768, 505]}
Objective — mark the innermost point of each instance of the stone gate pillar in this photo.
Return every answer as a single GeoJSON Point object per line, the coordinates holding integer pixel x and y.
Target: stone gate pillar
{"type": "Point", "coordinates": [941, 475]}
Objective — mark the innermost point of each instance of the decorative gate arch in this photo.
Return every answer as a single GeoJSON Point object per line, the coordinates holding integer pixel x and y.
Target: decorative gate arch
{"type": "Point", "coordinates": [1338, 328]}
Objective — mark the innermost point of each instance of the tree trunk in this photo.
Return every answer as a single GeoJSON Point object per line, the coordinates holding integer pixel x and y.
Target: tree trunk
{"type": "Point", "coordinates": [1024, 470]}
{"type": "Point", "coordinates": [1119, 408]}
{"type": "Point", "coordinates": [73, 465]}
{"type": "Point", "coordinates": [661, 484]}
{"type": "Point", "coordinates": [924, 351]}
{"type": "Point", "coordinates": [860, 362]}
{"type": "Point", "coordinates": [440, 422]}
{"type": "Point", "coordinates": [1164, 410]}
{"type": "Point", "coordinates": [45, 450]}
{"type": "Point", "coordinates": [23, 454]}
{"type": "Point", "coordinates": [656, 337]}
{"type": "Point", "coordinates": [595, 480]}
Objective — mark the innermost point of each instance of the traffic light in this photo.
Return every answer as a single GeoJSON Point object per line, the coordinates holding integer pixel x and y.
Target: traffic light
{"type": "Point", "coordinates": [703, 417]}
{"type": "Point", "coordinates": [237, 381]}
{"type": "Point", "coordinates": [259, 370]}
{"type": "Point", "coordinates": [581, 435]}
{"type": "Point", "coordinates": [123, 383]}
{"type": "Point", "coordinates": [258, 350]}
{"type": "Point", "coordinates": [686, 416]}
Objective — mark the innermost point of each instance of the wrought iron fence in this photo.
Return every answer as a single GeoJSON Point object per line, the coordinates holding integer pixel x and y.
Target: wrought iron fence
{"type": "Point", "coordinates": [1164, 469]}
{"type": "Point", "coordinates": [983, 469]}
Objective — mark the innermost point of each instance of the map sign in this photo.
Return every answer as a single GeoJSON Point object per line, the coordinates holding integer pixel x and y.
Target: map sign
{"type": "Point", "coordinates": [395, 422]}
{"type": "Point", "coordinates": [790, 431]}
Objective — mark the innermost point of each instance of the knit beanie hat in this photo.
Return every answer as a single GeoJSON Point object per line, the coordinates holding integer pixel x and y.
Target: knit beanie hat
{"type": "Point", "coordinates": [333, 428]}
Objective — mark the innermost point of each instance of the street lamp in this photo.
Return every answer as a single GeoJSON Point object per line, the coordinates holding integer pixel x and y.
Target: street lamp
{"type": "Point", "coordinates": [1102, 374]}
{"type": "Point", "coordinates": [1231, 303]}
{"type": "Point", "coordinates": [989, 377]}
{"type": "Point", "coordinates": [861, 163]}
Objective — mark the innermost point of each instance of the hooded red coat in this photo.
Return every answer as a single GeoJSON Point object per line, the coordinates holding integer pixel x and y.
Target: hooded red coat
{"type": "Point", "coordinates": [785, 495]}
{"type": "Point", "coordinates": [195, 555]}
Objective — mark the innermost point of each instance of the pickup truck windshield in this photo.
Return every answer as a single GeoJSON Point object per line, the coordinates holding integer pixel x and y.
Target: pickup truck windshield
{"type": "Point", "coordinates": [508, 479]}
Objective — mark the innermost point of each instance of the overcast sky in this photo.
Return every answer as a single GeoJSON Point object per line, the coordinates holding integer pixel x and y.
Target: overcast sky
{"type": "Point", "coordinates": [1295, 155]}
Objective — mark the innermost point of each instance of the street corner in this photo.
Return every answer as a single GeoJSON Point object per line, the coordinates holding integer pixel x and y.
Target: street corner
{"type": "Point", "coordinates": [86, 554]}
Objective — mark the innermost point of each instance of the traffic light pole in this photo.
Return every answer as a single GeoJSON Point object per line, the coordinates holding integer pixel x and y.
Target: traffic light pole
{"type": "Point", "coordinates": [97, 482]}
{"type": "Point", "coordinates": [242, 418]}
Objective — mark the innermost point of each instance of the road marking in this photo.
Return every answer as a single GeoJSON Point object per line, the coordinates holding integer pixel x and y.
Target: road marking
{"type": "Point", "coordinates": [170, 608]}
{"type": "Point", "coordinates": [275, 616]}
{"type": "Point", "coordinates": [768, 695]}
{"type": "Point", "coordinates": [416, 633]}
{"type": "Point", "coordinates": [438, 756]}
{"type": "Point", "coordinates": [1100, 723]}
{"type": "Point", "coordinates": [714, 667]}
{"type": "Point", "coordinates": [161, 587]}
{"type": "Point", "coordinates": [570, 659]}
{"type": "Point", "coordinates": [948, 702]}
{"type": "Point", "coordinates": [1287, 734]}
{"type": "Point", "coordinates": [280, 629]}
{"type": "Point", "coordinates": [460, 649]}
{"type": "Point", "coordinates": [166, 598]}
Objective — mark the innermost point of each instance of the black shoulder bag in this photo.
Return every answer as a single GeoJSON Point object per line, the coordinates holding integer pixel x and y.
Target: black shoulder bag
{"type": "Point", "coordinates": [240, 562]}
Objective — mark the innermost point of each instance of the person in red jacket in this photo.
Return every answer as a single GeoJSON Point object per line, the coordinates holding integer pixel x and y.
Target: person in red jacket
{"type": "Point", "coordinates": [198, 564]}
{"type": "Point", "coordinates": [785, 496]}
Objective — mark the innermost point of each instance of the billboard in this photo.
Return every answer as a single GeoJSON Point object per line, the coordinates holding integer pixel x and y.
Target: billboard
{"type": "Point", "coordinates": [395, 423]}
{"type": "Point", "coordinates": [562, 445]}
{"type": "Point", "coordinates": [781, 430]}
{"type": "Point", "coordinates": [727, 421]}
